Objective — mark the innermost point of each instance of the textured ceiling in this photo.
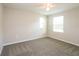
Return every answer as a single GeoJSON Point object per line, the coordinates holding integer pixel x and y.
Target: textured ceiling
{"type": "Point", "coordinates": [35, 7]}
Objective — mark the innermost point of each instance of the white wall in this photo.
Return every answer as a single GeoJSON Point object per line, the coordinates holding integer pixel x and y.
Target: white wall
{"type": "Point", "coordinates": [71, 27]}
{"type": "Point", "coordinates": [1, 29]}
{"type": "Point", "coordinates": [21, 25]}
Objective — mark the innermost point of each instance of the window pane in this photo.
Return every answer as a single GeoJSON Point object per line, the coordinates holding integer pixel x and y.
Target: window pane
{"type": "Point", "coordinates": [58, 20]}
{"type": "Point", "coordinates": [58, 24]}
{"type": "Point", "coordinates": [42, 22]}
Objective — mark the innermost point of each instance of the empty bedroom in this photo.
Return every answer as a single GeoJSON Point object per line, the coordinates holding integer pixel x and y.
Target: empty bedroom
{"type": "Point", "coordinates": [39, 29]}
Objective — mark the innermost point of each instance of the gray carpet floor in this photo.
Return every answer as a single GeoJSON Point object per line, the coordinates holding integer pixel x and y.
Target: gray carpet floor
{"type": "Point", "coordinates": [41, 47]}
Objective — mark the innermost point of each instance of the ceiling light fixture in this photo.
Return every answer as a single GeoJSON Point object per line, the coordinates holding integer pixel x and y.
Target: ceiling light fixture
{"type": "Point", "coordinates": [48, 6]}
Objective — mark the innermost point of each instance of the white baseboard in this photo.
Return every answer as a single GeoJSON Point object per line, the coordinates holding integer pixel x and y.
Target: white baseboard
{"type": "Point", "coordinates": [37, 37]}
{"type": "Point", "coordinates": [1, 48]}
{"type": "Point", "coordinates": [64, 41]}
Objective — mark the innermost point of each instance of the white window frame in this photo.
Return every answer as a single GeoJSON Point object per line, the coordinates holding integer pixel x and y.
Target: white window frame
{"type": "Point", "coordinates": [42, 22]}
{"type": "Point", "coordinates": [58, 24]}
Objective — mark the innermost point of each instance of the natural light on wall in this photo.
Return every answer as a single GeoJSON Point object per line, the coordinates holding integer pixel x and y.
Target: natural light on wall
{"type": "Point", "coordinates": [58, 24]}
{"type": "Point", "coordinates": [42, 22]}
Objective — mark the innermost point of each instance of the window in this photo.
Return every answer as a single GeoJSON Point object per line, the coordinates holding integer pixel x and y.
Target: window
{"type": "Point", "coordinates": [42, 22]}
{"type": "Point", "coordinates": [58, 24]}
